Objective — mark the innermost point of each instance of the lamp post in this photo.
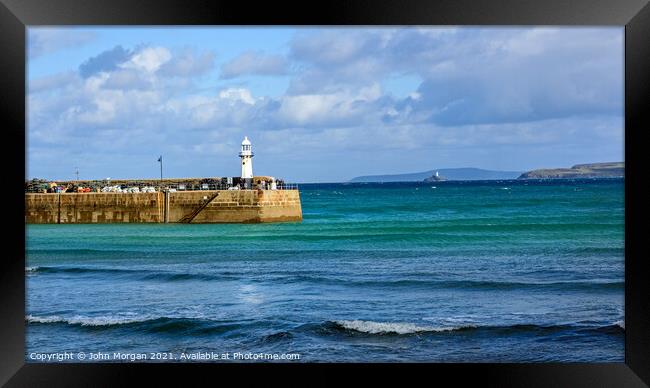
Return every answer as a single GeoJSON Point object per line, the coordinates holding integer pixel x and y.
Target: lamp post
{"type": "Point", "coordinates": [160, 160]}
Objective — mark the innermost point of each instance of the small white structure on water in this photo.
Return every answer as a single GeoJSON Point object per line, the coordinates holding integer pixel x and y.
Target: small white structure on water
{"type": "Point", "coordinates": [246, 155]}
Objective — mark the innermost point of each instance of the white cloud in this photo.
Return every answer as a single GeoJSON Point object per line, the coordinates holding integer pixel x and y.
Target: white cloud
{"type": "Point", "coordinates": [126, 79]}
{"type": "Point", "coordinates": [149, 59]}
{"type": "Point", "coordinates": [237, 94]}
{"type": "Point", "coordinates": [188, 62]}
{"type": "Point", "coordinates": [415, 96]}
{"type": "Point", "coordinates": [52, 82]}
{"type": "Point", "coordinates": [317, 109]}
{"type": "Point", "coordinates": [254, 63]}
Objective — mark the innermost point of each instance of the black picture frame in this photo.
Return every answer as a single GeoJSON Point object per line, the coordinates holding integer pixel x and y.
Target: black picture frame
{"type": "Point", "coordinates": [16, 15]}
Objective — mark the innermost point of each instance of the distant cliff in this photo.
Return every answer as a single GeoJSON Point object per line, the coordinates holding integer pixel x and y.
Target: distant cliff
{"type": "Point", "coordinates": [593, 170]}
{"type": "Point", "coordinates": [457, 174]}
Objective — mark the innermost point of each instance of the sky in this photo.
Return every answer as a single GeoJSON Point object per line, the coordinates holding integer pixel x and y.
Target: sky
{"type": "Point", "coordinates": [320, 104]}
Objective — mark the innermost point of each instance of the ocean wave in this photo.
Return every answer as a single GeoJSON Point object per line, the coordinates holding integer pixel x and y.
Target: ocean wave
{"type": "Point", "coordinates": [347, 328]}
{"type": "Point", "coordinates": [139, 274]}
{"type": "Point", "coordinates": [361, 327]}
{"type": "Point", "coordinates": [174, 277]}
{"type": "Point", "coordinates": [312, 277]}
{"type": "Point", "coordinates": [64, 269]}
{"type": "Point", "coordinates": [84, 321]}
{"type": "Point", "coordinates": [277, 337]}
{"type": "Point", "coordinates": [608, 329]}
{"type": "Point", "coordinates": [458, 284]}
{"type": "Point", "coordinates": [172, 325]}
{"type": "Point", "coordinates": [372, 327]}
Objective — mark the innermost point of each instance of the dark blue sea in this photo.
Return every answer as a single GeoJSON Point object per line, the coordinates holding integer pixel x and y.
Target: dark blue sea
{"type": "Point", "coordinates": [491, 271]}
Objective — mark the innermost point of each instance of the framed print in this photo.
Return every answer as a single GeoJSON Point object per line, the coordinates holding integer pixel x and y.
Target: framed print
{"type": "Point", "coordinates": [444, 188]}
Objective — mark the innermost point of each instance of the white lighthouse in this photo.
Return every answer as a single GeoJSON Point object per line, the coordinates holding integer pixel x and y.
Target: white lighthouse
{"type": "Point", "coordinates": [246, 155]}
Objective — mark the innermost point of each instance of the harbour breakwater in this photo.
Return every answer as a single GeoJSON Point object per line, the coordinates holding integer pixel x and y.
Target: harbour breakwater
{"type": "Point", "coordinates": [208, 206]}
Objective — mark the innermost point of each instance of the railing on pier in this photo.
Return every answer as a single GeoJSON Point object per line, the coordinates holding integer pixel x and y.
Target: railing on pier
{"type": "Point", "coordinates": [141, 188]}
{"type": "Point", "coordinates": [208, 186]}
{"type": "Point", "coordinates": [288, 186]}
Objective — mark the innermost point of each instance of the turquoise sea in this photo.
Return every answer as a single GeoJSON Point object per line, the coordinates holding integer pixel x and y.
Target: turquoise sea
{"type": "Point", "coordinates": [483, 271]}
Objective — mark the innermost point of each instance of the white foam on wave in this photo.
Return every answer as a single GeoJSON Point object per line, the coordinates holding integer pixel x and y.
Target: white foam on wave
{"type": "Point", "coordinates": [620, 324]}
{"type": "Point", "coordinates": [86, 321]}
{"type": "Point", "coordinates": [50, 319]}
{"type": "Point", "coordinates": [32, 269]}
{"type": "Point", "coordinates": [371, 327]}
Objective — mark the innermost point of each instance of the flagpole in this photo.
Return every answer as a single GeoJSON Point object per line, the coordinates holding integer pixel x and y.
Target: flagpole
{"type": "Point", "coordinates": [160, 160]}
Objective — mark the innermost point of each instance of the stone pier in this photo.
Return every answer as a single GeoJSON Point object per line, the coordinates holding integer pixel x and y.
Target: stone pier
{"type": "Point", "coordinates": [209, 206]}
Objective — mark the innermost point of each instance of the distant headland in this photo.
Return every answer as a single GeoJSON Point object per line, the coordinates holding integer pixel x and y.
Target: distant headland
{"type": "Point", "coordinates": [591, 170]}
{"type": "Point", "coordinates": [457, 174]}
